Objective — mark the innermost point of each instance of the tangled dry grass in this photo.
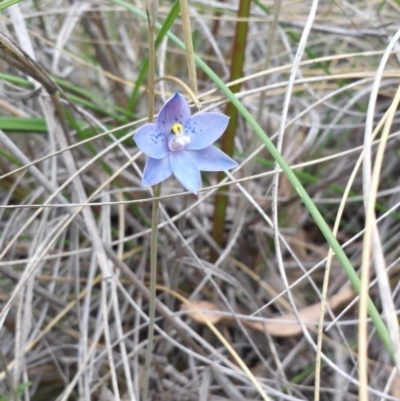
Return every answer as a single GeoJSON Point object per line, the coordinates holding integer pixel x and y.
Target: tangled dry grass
{"type": "Point", "coordinates": [75, 222]}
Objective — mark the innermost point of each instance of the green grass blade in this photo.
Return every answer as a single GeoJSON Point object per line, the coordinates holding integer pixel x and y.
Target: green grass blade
{"type": "Point", "coordinates": [7, 3]}
{"type": "Point", "coordinates": [23, 124]}
{"type": "Point", "coordinates": [173, 14]}
{"type": "Point", "coordinates": [313, 210]}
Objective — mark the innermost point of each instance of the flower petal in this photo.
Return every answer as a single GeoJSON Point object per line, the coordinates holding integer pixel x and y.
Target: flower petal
{"type": "Point", "coordinates": [156, 170]}
{"type": "Point", "coordinates": [175, 110]}
{"type": "Point", "coordinates": [211, 159]}
{"type": "Point", "coordinates": [204, 129]}
{"type": "Point", "coordinates": [185, 170]}
{"type": "Point", "coordinates": [152, 141]}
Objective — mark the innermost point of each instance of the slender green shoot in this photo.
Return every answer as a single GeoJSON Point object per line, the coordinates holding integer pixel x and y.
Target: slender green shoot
{"type": "Point", "coordinates": [7, 3]}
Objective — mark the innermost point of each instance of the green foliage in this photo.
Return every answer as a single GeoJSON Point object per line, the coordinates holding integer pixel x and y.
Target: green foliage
{"type": "Point", "coordinates": [20, 392]}
{"type": "Point", "coordinates": [7, 3]}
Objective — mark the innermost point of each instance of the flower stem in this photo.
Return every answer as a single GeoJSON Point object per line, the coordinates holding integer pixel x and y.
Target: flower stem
{"type": "Point", "coordinates": [187, 35]}
{"type": "Point", "coordinates": [153, 282]}
{"type": "Point", "coordinates": [151, 9]}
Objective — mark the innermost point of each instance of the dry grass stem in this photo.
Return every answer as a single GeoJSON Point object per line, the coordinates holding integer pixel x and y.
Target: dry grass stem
{"type": "Point", "coordinates": [275, 317]}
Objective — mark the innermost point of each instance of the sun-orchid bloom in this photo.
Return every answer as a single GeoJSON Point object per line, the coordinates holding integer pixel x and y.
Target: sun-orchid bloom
{"type": "Point", "coordinates": [181, 144]}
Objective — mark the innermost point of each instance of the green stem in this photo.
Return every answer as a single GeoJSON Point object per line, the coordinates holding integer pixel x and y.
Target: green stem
{"type": "Point", "coordinates": [313, 210]}
{"type": "Point", "coordinates": [153, 282]}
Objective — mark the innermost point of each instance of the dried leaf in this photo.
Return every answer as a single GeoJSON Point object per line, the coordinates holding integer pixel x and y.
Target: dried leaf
{"type": "Point", "coordinates": [282, 326]}
{"type": "Point", "coordinates": [198, 309]}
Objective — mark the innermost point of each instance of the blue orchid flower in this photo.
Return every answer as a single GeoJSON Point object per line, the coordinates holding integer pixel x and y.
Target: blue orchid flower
{"type": "Point", "coordinates": [181, 144]}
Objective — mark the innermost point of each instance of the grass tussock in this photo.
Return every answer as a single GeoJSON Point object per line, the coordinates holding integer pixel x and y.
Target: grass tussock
{"type": "Point", "coordinates": [238, 314]}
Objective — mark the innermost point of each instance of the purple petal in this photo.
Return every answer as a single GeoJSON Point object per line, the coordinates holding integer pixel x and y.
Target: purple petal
{"type": "Point", "coordinates": [204, 129]}
{"type": "Point", "coordinates": [175, 110]}
{"type": "Point", "coordinates": [156, 170]}
{"type": "Point", "coordinates": [211, 159]}
{"type": "Point", "coordinates": [185, 170]}
{"type": "Point", "coordinates": [152, 141]}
